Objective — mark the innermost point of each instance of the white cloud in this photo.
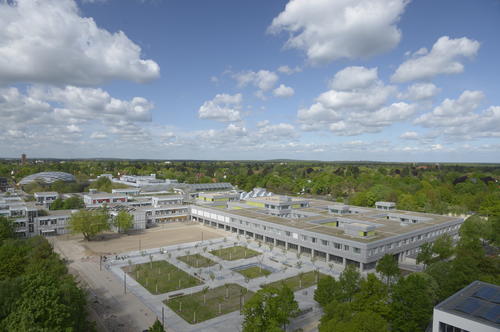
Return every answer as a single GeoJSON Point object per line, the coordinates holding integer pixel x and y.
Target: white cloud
{"type": "Point", "coordinates": [278, 131]}
{"type": "Point", "coordinates": [98, 135]}
{"type": "Point", "coordinates": [355, 106]}
{"type": "Point", "coordinates": [354, 78]}
{"type": "Point", "coordinates": [264, 80]}
{"type": "Point", "coordinates": [289, 71]}
{"type": "Point", "coordinates": [420, 91]}
{"type": "Point", "coordinates": [283, 91]}
{"type": "Point", "coordinates": [328, 30]}
{"type": "Point", "coordinates": [410, 135]}
{"type": "Point", "coordinates": [223, 107]}
{"type": "Point", "coordinates": [49, 42]}
{"type": "Point", "coordinates": [89, 104]}
{"type": "Point", "coordinates": [460, 119]}
{"type": "Point", "coordinates": [452, 112]}
{"type": "Point", "coordinates": [445, 57]}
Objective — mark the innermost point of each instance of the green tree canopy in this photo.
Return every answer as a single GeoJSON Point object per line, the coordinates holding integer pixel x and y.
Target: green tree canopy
{"type": "Point", "coordinates": [123, 221]}
{"type": "Point", "coordinates": [269, 309]}
{"type": "Point", "coordinates": [89, 222]}
{"type": "Point", "coordinates": [388, 267]}
{"type": "Point", "coordinates": [156, 327]}
{"type": "Point", "coordinates": [413, 299]}
{"type": "Point", "coordinates": [6, 229]}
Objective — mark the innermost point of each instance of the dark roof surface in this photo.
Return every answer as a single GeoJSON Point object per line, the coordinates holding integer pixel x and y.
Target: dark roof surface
{"type": "Point", "coordinates": [480, 302]}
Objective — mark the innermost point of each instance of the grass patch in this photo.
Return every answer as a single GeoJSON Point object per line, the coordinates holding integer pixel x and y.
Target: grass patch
{"type": "Point", "coordinates": [194, 306]}
{"type": "Point", "coordinates": [161, 277]}
{"type": "Point", "coordinates": [197, 260]}
{"type": "Point", "coordinates": [253, 272]}
{"type": "Point", "coordinates": [334, 224]}
{"type": "Point", "coordinates": [234, 253]}
{"type": "Point", "coordinates": [308, 280]}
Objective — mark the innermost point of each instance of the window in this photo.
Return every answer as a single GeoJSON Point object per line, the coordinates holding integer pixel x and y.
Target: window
{"type": "Point", "coordinates": [356, 250]}
{"type": "Point", "coordinates": [443, 327]}
{"type": "Point", "coordinates": [303, 238]}
{"type": "Point", "coordinates": [313, 240]}
{"type": "Point", "coordinates": [337, 246]}
{"type": "Point", "coordinates": [324, 242]}
{"type": "Point", "coordinates": [287, 233]}
{"type": "Point", "coordinates": [346, 247]}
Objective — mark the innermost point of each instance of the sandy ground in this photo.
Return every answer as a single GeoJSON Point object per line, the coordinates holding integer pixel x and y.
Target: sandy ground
{"type": "Point", "coordinates": [108, 305]}
{"type": "Point", "coordinates": [164, 235]}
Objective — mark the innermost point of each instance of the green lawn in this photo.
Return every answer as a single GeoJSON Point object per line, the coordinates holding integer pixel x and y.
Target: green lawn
{"type": "Point", "coordinates": [234, 253]}
{"type": "Point", "coordinates": [334, 224]}
{"type": "Point", "coordinates": [308, 280]}
{"type": "Point", "coordinates": [161, 277]}
{"type": "Point", "coordinates": [186, 306]}
{"type": "Point", "coordinates": [254, 272]}
{"type": "Point", "coordinates": [197, 260]}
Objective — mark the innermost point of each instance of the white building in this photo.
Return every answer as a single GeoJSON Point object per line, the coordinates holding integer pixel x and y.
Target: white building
{"type": "Point", "coordinates": [46, 198]}
{"type": "Point", "coordinates": [476, 308]}
{"type": "Point", "coordinates": [100, 199]}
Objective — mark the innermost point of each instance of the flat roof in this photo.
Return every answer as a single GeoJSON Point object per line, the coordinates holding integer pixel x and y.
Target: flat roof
{"type": "Point", "coordinates": [105, 195]}
{"type": "Point", "coordinates": [316, 222]}
{"type": "Point", "coordinates": [46, 193]}
{"type": "Point", "coordinates": [479, 302]}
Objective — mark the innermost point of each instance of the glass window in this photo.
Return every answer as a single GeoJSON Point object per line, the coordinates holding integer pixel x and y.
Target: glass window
{"type": "Point", "coordinates": [356, 250]}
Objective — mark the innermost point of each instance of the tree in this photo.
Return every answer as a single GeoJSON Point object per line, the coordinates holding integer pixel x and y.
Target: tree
{"type": "Point", "coordinates": [286, 305]}
{"type": "Point", "coordinates": [89, 223]}
{"type": "Point", "coordinates": [57, 204]}
{"type": "Point", "coordinates": [156, 327]}
{"type": "Point", "coordinates": [6, 229]}
{"type": "Point", "coordinates": [373, 296]}
{"type": "Point", "coordinates": [48, 301]}
{"type": "Point", "coordinates": [388, 267]}
{"type": "Point", "coordinates": [73, 203]}
{"type": "Point", "coordinates": [349, 282]}
{"type": "Point", "coordinates": [327, 290]}
{"type": "Point", "coordinates": [443, 247]}
{"type": "Point", "coordinates": [413, 299]}
{"type": "Point", "coordinates": [268, 309]}
{"type": "Point", "coordinates": [425, 254]}
{"type": "Point", "coordinates": [123, 221]}
{"type": "Point", "coordinates": [364, 321]}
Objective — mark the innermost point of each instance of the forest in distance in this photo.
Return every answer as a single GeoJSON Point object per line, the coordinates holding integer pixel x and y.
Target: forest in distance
{"type": "Point", "coordinates": [435, 188]}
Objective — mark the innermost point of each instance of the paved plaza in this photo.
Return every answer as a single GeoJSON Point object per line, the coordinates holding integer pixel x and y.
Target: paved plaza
{"type": "Point", "coordinates": [281, 264]}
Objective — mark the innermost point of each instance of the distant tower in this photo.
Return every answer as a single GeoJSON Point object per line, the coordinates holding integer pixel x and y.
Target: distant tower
{"type": "Point", "coordinates": [23, 159]}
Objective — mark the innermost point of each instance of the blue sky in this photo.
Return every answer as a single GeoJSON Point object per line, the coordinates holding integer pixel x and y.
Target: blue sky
{"type": "Point", "coordinates": [388, 80]}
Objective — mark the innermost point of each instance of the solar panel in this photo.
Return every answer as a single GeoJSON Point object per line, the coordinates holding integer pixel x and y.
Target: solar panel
{"type": "Point", "coordinates": [488, 293]}
{"type": "Point", "coordinates": [493, 315]}
{"type": "Point", "coordinates": [469, 306]}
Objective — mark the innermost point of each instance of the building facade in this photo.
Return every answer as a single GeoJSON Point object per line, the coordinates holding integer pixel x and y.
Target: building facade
{"type": "Point", "coordinates": [340, 234]}
{"type": "Point", "coordinates": [476, 308]}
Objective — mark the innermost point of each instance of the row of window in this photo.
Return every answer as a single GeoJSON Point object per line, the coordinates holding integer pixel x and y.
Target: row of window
{"type": "Point", "coordinates": [412, 239]}
{"type": "Point", "coordinates": [280, 232]}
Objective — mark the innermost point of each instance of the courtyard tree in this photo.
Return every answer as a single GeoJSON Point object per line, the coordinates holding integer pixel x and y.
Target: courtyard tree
{"type": "Point", "coordinates": [89, 222]}
{"type": "Point", "coordinates": [269, 309]}
{"type": "Point", "coordinates": [123, 221]}
{"type": "Point", "coordinates": [349, 280]}
{"type": "Point", "coordinates": [425, 254]}
{"type": "Point", "coordinates": [156, 327]}
{"type": "Point", "coordinates": [388, 267]}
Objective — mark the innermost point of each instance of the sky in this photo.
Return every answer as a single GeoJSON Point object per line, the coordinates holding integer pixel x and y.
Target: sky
{"type": "Point", "coordinates": [381, 80]}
